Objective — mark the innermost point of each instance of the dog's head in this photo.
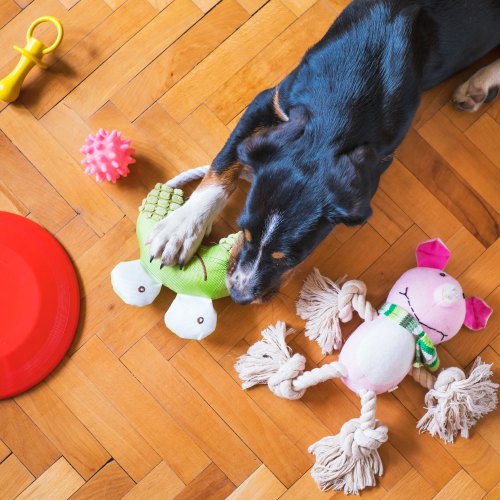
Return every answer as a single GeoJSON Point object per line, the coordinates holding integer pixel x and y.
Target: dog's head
{"type": "Point", "coordinates": [303, 187]}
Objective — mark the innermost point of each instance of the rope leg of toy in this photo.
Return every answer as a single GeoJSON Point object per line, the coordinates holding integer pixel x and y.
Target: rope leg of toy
{"type": "Point", "coordinates": [291, 382]}
{"type": "Point", "coordinates": [423, 376]}
{"type": "Point", "coordinates": [323, 304]}
{"type": "Point", "coordinates": [198, 173]}
{"type": "Point", "coordinates": [350, 460]}
{"type": "Point", "coordinates": [318, 375]}
{"type": "Point", "coordinates": [270, 361]}
{"type": "Point", "coordinates": [457, 402]}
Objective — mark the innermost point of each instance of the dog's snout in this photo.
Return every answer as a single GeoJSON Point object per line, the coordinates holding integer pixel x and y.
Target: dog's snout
{"type": "Point", "coordinates": [242, 297]}
{"type": "Point", "coordinates": [241, 287]}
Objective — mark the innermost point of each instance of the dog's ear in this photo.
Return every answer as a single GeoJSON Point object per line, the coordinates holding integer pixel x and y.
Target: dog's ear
{"type": "Point", "coordinates": [353, 214]}
{"type": "Point", "coordinates": [364, 156]}
{"type": "Point", "coordinates": [264, 144]}
{"type": "Point", "coordinates": [350, 186]}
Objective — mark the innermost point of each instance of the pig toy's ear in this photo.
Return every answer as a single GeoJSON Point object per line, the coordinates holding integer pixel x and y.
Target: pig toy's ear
{"type": "Point", "coordinates": [477, 313]}
{"type": "Point", "coordinates": [433, 253]}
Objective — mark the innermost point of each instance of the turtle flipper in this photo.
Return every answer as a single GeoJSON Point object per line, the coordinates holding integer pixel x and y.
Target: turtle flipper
{"type": "Point", "coordinates": [133, 284]}
{"type": "Point", "coordinates": [191, 317]}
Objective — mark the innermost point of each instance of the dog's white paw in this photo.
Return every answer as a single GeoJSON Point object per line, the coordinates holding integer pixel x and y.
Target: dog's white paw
{"type": "Point", "coordinates": [176, 238]}
{"type": "Point", "coordinates": [481, 87]}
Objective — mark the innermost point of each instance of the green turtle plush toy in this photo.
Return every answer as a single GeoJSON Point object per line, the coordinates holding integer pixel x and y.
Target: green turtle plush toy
{"type": "Point", "coordinates": [191, 315]}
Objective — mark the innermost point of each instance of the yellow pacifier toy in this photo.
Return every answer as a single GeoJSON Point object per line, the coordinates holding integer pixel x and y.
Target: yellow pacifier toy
{"type": "Point", "coordinates": [31, 54]}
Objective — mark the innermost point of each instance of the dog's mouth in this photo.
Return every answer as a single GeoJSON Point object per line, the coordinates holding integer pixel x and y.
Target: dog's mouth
{"type": "Point", "coordinates": [266, 297]}
{"type": "Point", "coordinates": [405, 294]}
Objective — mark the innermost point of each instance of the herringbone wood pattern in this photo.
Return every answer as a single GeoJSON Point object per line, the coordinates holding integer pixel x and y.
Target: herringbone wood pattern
{"type": "Point", "coordinates": [134, 411]}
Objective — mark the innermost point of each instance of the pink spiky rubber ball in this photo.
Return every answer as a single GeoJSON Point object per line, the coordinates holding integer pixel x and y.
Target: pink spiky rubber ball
{"type": "Point", "coordinates": [107, 155]}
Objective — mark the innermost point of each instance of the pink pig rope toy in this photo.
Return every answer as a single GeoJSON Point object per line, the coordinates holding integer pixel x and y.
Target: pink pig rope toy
{"type": "Point", "coordinates": [425, 307]}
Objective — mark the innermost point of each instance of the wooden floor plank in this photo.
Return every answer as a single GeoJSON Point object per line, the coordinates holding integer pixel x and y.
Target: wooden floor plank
{"type": "Point", "coordinates": [4, 451]}
{"type": "Point", "coordinates": [110, 482]}
{"type": "Point", "coordinates": [25, 439]}
{"type": "Point", "coordinates": [464, 157]}
{"type": "Point", "coordinates": [38, 193]}
{"type": "Point", "coordinates": [261, 484]}
{"type": "Point", "coordinates": [59, 482]}
{"type": "Point", "coordinates": [156, 36]}
{"type": "Point", "coordinates": [195, 87]}
{"type": "Point", "coordinates": [267, 68]}
{"type": "Point", "coordinates": [109, 426]}
{"type": "Point", "coordinates": [181, 57]}
{"type": "Point", "coordinates": [155, 425]}
{"type": "Point", "coordinates": [270, 444]}
{"type": "Point", "coordinates": [440, 179]}
{"type": "Point", "coordinates": [412, 486]}
{"type": "Point", "coordinates": [83, 452]}
{"type": "Point", "coordinates": [14, 477]}
{"type": "Point", "coordinates": [189, 410]}
{"type": "Point", "coordinates": [137, 412]}
{"type": "Point", "coordinates": [59, 168]}
{"type": "Point", "coordinates": [161, 483]}
{"type": "Point", "coordinates": [210, 484]}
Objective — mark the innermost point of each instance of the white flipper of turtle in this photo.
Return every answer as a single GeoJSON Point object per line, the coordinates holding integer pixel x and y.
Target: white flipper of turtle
{"type": "Point", "coordinates": [191, 317]}
{"type": "Point", "coordinates": [133, 284]}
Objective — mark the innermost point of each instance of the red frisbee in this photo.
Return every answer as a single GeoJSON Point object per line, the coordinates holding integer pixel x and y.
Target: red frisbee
{"type": "Point", "coordinates": [39, 304]}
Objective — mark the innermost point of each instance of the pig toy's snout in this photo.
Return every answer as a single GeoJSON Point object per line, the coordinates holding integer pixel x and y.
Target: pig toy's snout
{"type": "Point", "coordinates": [447, 294]}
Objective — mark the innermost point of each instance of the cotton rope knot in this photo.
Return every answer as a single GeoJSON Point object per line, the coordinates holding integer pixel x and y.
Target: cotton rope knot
{"type": "Point", "coordinates": [324, 304]}
{"type": "Point", "coordinates": [352, 297]}
{"type": "Point", "coordinates": [358, 441]}
{"type": "Point", "coordinates": [360, 436]}
{"type": "Point", "coordinates": [350, 460]}
{"type": "Point", "coordinates": [447, 377]}
{"type": "Point", "coordinates": [458, 401]}
{"type": "Point", "coordinates": [281, 382]}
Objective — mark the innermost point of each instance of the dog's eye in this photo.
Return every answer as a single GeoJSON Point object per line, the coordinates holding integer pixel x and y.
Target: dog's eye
{"type": "Point", "coordinates": [442, 274]}
{"type": "Point", "coordinates": [248, 235]}
{"type": "Point", "coordinates": [278, 255]}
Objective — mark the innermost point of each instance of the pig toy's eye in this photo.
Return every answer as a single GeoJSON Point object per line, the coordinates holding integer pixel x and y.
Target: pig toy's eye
{"type": "Point", "coordinates": [442, 274]}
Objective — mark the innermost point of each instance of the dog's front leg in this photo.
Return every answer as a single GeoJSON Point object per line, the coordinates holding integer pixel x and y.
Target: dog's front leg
{"type": "Point", "coordinates": [177, 237]}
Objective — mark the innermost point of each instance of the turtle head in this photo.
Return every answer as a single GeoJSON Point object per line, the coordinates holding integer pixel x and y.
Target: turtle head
{"type": "Point", "coordinates": [191, 317]}
{"type": "Point", "coordinates": [133, 284]}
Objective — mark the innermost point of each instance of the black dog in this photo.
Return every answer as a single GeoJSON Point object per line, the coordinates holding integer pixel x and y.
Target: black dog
{"type": "Point", "coordinates": [319, 142]}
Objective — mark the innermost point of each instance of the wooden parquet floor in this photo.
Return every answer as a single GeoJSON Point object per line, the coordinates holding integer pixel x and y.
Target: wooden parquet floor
{"type": "Point", "coordinates": [136, 412]}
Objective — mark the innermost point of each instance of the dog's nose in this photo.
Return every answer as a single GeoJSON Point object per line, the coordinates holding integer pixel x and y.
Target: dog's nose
{"type": "Point", "coordinates": [241, 286]}
{"type": "Point", "coordinates": [242, 297]}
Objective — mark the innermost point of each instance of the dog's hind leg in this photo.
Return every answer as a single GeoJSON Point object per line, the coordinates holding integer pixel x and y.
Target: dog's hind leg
{"type": "Point", "coordinates": [481, 87]}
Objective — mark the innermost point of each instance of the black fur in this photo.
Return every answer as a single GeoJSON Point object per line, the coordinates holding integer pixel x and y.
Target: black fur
{"type": "Point", "coordinates": [350, 103]}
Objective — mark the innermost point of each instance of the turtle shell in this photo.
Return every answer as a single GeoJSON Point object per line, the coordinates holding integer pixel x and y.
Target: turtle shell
{"type": "Point", "coordinates": [205, 275]}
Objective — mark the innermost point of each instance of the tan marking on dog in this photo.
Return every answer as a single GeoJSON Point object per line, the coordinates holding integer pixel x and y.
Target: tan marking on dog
{"type": "Point", "coordinates": [277, 107]}
{"type": "Point", "coordinates": [277, 255]}
{"type": "Point", "coordinates": [227, 179]}
{"type": "Point", "coordinates": [248, 235]}
{"type": "Point", "coordinates": [233, 256]}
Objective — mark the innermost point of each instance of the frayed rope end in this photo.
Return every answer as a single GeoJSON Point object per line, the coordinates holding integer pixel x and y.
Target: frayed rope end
{"type": "Point", "coordinates": [457, 402]}
{"type": "Point", "coordinates": [350, 461]}
{"type": "Point", "coordinates": [324, 304]}
{"type": "Point", "coordinates": [264, 358]}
